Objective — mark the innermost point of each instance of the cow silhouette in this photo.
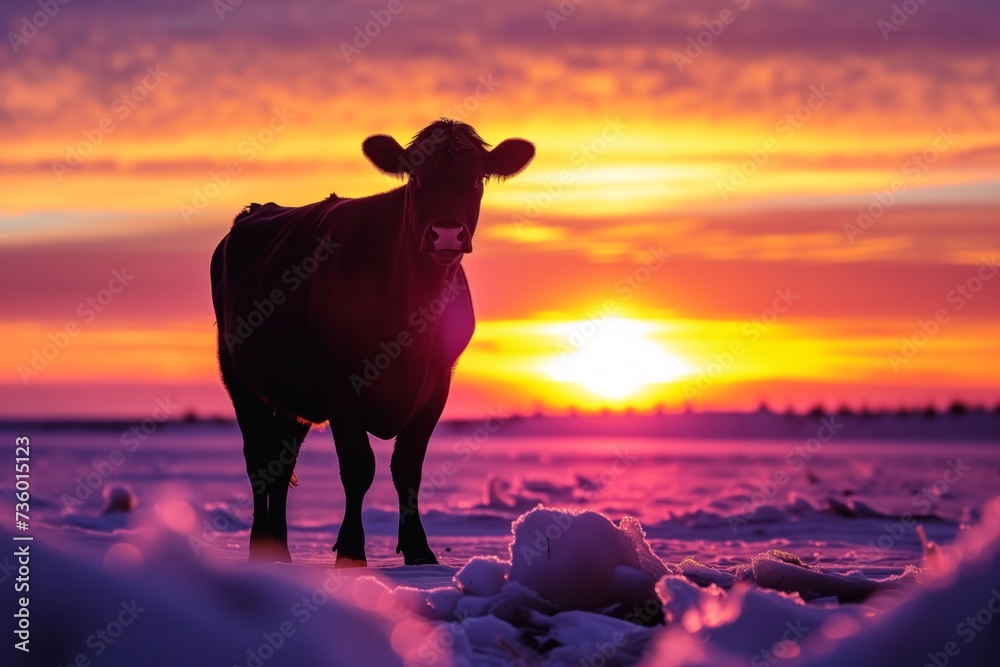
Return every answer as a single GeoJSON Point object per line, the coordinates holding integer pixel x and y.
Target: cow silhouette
{"type": "Point", "coordinates": [354, 311]}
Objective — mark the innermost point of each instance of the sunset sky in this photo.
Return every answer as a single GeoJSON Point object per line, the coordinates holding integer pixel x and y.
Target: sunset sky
{"type": "Point", "coordinates": [792, 201]}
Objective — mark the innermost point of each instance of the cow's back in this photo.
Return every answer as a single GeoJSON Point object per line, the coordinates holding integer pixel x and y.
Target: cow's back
{"type": "Point", "coordinates": [261, 298]}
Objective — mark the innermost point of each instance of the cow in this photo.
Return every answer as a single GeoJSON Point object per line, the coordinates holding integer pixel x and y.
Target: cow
{"type": "Point", "coordinates": [354, 311]}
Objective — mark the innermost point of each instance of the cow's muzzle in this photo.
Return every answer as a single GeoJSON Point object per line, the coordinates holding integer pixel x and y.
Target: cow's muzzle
{"type": "Point", "coordinates": [447, 241]}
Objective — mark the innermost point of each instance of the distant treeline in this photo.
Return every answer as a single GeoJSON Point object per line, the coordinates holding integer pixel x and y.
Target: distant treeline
{"type": "Point", "coordinates": [958, 420]}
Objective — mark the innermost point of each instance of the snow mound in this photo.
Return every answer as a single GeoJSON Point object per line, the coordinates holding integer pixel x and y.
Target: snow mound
{"type": "Point", "coordinates": [179, 609]}
{"type": "Point", "coordinates": [581, 560]}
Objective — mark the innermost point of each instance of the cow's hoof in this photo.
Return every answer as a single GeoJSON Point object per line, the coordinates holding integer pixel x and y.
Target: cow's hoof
{"type": "Point", "coordinates": [350, 557]}
{"type": "Point", "coordinates": [349, 561]}
{"type": "Point", "coordinates": [268, 551]}
{"type": "Point", "coordinates": [420, 558]}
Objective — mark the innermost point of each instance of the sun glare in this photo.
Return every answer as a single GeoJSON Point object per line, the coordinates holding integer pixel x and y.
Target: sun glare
{"type": "Point", "coordinates": [614, 359]}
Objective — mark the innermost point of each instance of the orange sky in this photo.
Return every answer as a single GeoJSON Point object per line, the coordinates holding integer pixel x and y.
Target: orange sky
{"type": "Point", "coordinates": [640, 260]}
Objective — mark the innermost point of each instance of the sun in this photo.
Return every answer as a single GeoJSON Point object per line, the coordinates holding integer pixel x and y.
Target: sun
{"type": "Point", "coordinates": [615, 359]}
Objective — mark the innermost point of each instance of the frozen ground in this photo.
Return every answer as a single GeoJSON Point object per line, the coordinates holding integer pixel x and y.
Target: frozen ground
{"type": "Point", "coordinates": [699, 589]}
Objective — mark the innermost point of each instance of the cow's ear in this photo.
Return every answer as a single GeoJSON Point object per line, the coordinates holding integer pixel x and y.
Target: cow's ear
{"type": "Point", "coordinates": [385, 153]}
{"type": "Point", "coordinates": [509, 158]}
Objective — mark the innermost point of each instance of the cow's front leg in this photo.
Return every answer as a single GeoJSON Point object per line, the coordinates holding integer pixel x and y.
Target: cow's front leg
{"type": "Point", "coordinates": [407, 469]}
{"type": "Point", "coordinates": [357, 471]}
{"type": "Point", "coordinates": [407, 461]}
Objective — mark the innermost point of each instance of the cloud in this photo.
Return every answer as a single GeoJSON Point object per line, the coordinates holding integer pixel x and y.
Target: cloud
{"type": "Point", "coordinates": [685, 130]}
{"type": "Point", "coordinates": [431, 55]}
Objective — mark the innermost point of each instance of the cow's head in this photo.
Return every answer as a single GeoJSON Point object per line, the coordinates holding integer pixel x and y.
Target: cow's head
{"type": "Point", "coordinates": [447, 164]}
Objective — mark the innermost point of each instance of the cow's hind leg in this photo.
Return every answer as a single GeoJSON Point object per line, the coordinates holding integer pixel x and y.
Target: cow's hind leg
{"type": "Point", "coordinates": [289, 434]}
{"type": "Point", "coordinates": [256, 420]}
{"type": "Point", "coordinates": [357, 471]}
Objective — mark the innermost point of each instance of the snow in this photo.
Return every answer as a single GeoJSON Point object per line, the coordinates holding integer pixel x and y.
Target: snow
{"type": "Point", "coordinates": [482, 575]}
{"type": "Point", "coordinates": [180, 609]}
{"type": "Point", "coordinates": [173, 605]}
{"type": "Point", "coordinates": [775, 569]}
{"type": "Point", "coordinates": [579, 560]}
{"type": "Point", "coordinates": [119, 498]}
{"type": "Point", "coordinates": [666, 568]}
{"type": "Point", "coordinates": [933, 622]}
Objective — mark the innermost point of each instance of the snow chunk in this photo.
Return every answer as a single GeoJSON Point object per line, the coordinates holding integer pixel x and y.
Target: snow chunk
{"type": "Point", "coordinates": [473, 606]}
{"type": "Point", "coordinates": [443, 602]}
{"type": "Point", "coordinates": [774, 570]}
{"type": "Point", "coordinates": [488, 632]}
{"type": "Point", "coordinates": [476, 642]}
{"type": "Point", "coordinates": [514, 604]}
{"type": "Point", "coordinates": [576, 560]}
{"type": "Point", "coordinates": [593, 639]}
{"type": "Point", "coordinates": [483, 575]}
{"type": "Point", "coordinates": [680, 595]}
{"type": "Point", "coordinates": [704, 575]}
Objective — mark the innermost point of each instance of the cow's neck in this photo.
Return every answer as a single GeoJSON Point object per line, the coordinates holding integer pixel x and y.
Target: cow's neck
{"type": "Point", "coordinates": [415, 274]}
